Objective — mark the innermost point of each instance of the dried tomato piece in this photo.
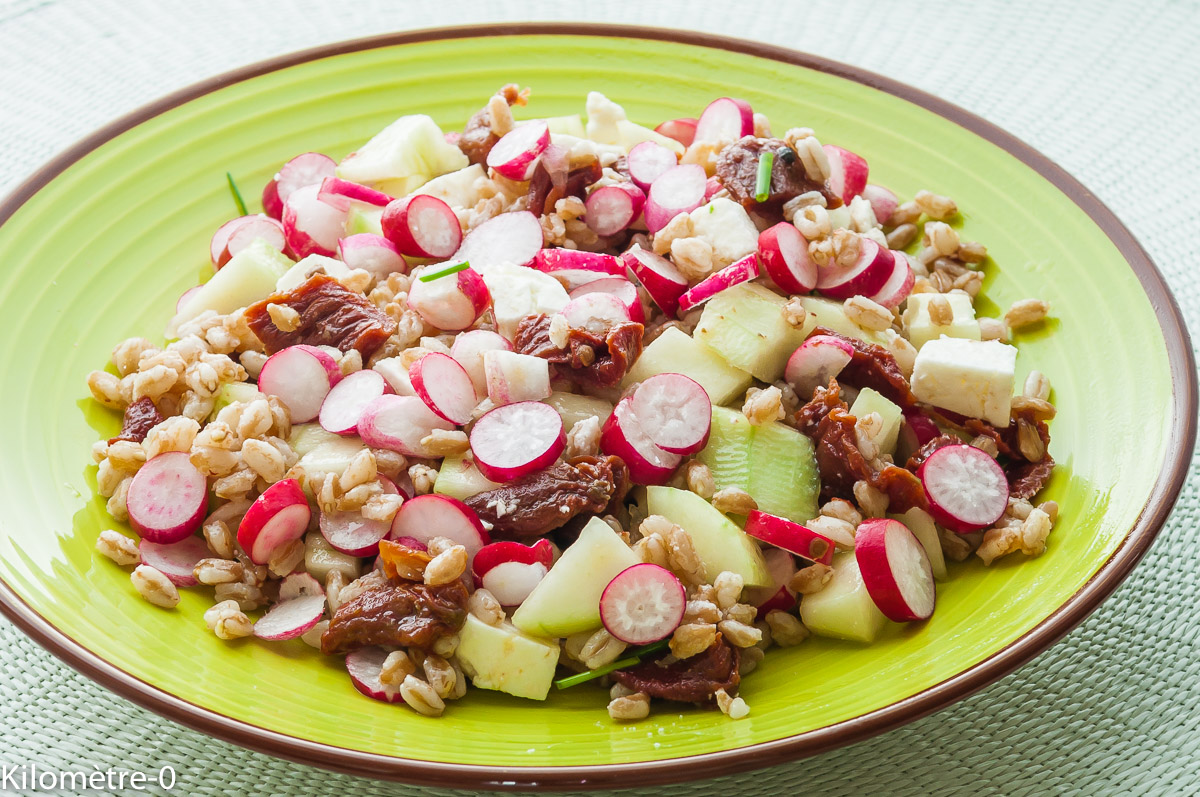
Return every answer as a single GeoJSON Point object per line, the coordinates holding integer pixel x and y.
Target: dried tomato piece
{"type": "Point", "coordinates": [874, 367]}
{"type": "Point", "coordinates": [737, 169]}
{"type": "Point", "coordinates": [690, 680]}
{"type": "Point", "coordinates": [587, 358]}
{"type": "Point", "coordinates": [140, 417]}
{"type": "Point", "coordinates": [330, 315]}
{"type": "Point", "coordinates": [401, 561]}
{"type": "Point", "coordinates": [920, 455]}
{"type": "Point", "coordinates": [477, 138]}
{"type": "Point", "coordinates": [1026, 479]}
{"type": "Point", "coordinates": [545, 188]}
{"type": "Point", "coordinates": [399, 615]}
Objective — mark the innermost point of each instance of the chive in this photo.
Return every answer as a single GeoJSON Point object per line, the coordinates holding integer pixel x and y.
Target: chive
{"type": "Point", "coordinates": [454, 269]}
{"type": "Point", "coordinates": [237, 195]}
{"type": "Point", "coordinates": [762, 187]}
{"type": "Point", "coordinates": [635, 657]}
{"type": "Point", "coordinates": [653, 647]}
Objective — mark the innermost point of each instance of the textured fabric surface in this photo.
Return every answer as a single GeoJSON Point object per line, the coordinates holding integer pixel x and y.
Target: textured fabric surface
{"type": "Point", "coordinates": [1108, 90]}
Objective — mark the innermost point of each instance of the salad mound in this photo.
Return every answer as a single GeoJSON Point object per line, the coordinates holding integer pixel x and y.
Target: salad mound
{"type": "Point", "coordinates": [562, 400]}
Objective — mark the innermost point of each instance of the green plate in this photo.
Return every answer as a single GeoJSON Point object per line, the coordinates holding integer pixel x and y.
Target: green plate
{"type": "Point", "coordinates": [99, 244]}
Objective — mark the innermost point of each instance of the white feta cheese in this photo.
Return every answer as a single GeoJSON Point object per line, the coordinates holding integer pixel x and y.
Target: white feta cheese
{"type": "Point", "coordinates": [298, 274]}
{"type": "Point", "coordinates": [603, 115]}
{"type": "Point", "coordinates": [921, 328]}
{"type": "Point", "coordinates": [726, 226]}
{"type": "Point", "coordinates": [970, 377]}
{"type": "Point", "coordinates": [458, 189]}
{"type": "Point", "coordinates": [518, 291]}
{"type": "Point", "coordinates": [582, 150]}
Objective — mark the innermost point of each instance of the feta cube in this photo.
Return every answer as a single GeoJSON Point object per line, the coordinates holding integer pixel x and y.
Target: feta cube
{"type": "Point", "coordinates": [921, 329]}
{"type": "Point", "coordinates": [970, 377]}
{"type": "Point", "coordinates": [603, 115]}
{"type": "Point", "coordinates": [726, 226]}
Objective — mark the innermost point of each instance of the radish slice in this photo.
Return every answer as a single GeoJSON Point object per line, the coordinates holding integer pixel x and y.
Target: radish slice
{"type": "Point", "coordinates": [647, 161]}
{"type": "Point", "coordinates": [682, 130]}
{"type": "Point", "coordinates": [508, 238]}
{"type": "Point", "coordinates": [234, 236]}
{"type": "Point", "coordinates": [612, 208]}
{"type": "Point", "coordinates": [400, 423]}
{"type": "Point", "coordinates": [815, 362]}
{"type": "Point", "coordinates": [444, 386]}
{"type": "Point", "coordinates": [311, 226]}
{"type": "Point", "coordinates": [785, 258]}
{"type": "Point", "coordinates": [310, 168]}
{"type": "Point", "coordinates": [185, 296]}
{"type": "Point", "coordinates": [422, 226]}
{"type": "Point", "coordinates": [847, 173]}
{"type": "Point", "coordinates": [895, 570]}
{"type": "Point", "coordinates": [899, 285]}
{"type": "Point", "coordinates": [922, 426]}
{"type": "Point", "coordinates": [596, 312]}
{"type": "Point", "coordinates": [167, 498]}
{"type": "Point", "coordinates": [883, 202]}
{"type": "Point", "coordinates": [469, 349]}
{"type": "Point", "coordinates": [511, 582]}
{"type": "Point", "coordinates": [513, 377]}
{"type": "Point", "coordinates": [372, 253]}
{"type": "Point", "coordinates": [680, 189]}
{"type": "Point", "coordinates": [511, 441]}
{"type": "Point", "coordinates": [351, 533]}
{"type": "Point", "coordinates": [675, 411]}
{"type": "Point", "coordinates": [624, 436]}
{"type": "Point", "coordinates": [725, 119]}
{"type": "Point", "coordinates": [658, 276]}
{"type": "Point", "coordinates": [781, 567]}
{"type": "Point", "coordinates": [711, 187]}
{"type": "Point", "coordinates": [743, 270]}
{"type": "Point", "coordinates": [433, 515]}
{"type": "Point", "coordinates": [866, 277]}
{"type": "Point", "coordinates": [176, 561]}
{"type": "Point", "coordinates": [291, 618]}
{"type": "Point", "coordinates": [276, 517]}
{"type": "Point", "coordinates": [624, 290]}
{"type": "Point", "coordinates": [345, 402]}
{"type": "Point", "coordinates": [272, 204]}
{"type": "Point", "coordinates": [339, 193]}
{"type": "Point", "coordinates": [216, 245]}
{"type": "Point", "coordinates": [515, 155]}
{"type": "Point", "coordinates": [301, 377]}
{"type": "Point", "coordinates": [451, 302]}
{"type": "Point", "coordinates": [498, 553]}
{"type": "Point", "coordinates": [967, 489]}
{"type": "Point", "coordinates": [574, 268]}
{"type": "Point", "coordinates": [364, 666]}
{"type": "Point", "coordinates": [791, 537]}
{"type": "Point", "coordinates": [643, 604]}
{"type": "Point", "coordinates": [299, 585]}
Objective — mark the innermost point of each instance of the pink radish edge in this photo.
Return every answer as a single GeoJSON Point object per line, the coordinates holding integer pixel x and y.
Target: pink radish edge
{"type": "Point", "coordinates": [659, 276]}
{"type": "Point", "coordinates": [966, 488]}
{"type": "Point", "coordinates": [422, 226]}
{"type": "Point", "coordinates": [400, 423]}
{"type": "Point", "coordinates": [624, 436]}
{"type": "Point", "coordinates": [815, 362]}
{"type": "Point", "coordinates": [276, 517]}
{"type": "Point", "coordinates": [642, 604]}
{"type": "Point", "coordinates": [445, 387]}
{"type": "Point", "coordinates": [434, 515]}
{"type": "Point", "coordinates": [176, 561]}
{"type": "Point", "coordinates": [167, 498]}
{"type": "Point", "coordinates": [301, 377]}
{"type": "Point", "coordinates": [895, 570]}
{"type": "Point", "coordinates": [743, 270]}
{"type": "Point", "coordinates": [515, 439]}
{"type": "Point", "coordinates": [675, 411]}
{"type": "Point", "coordinates": [790, 536]}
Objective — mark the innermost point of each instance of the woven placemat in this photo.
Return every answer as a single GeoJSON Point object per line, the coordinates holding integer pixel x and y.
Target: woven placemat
{"type": "Point", "coordinates": [1109, 91]}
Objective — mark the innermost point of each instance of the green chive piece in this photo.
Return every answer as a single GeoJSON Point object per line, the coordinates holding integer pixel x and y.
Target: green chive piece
{"type": "Point", "coordinates": [237, 195]}
{"type": "Point", "coordinates": [762, 187]}
{"type": "Point", "coordinates": [454, 269]}
{"type": "Point", "coordinates": [653, 647]}
{"type": "Point", "coordinates": [590, 675]}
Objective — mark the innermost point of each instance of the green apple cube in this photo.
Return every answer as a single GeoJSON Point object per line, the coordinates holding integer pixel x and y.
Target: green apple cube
{"type": "Point", "coordinates": [459, 478]}
{"type": "Point", "coordinates": [869, 401]}
{"type": "Point", "coordinates": [567, 600]}
{"type": "Point", "coordinates": [249, 275]}
{"type": "Point", "coordinates": [719, 543]}
{"type": "Point", "coordinates": [843, 609]}
{"type": "Point", "coordinates": [925, 530]}
{"type": "Point", "coordinates": [502, 658]}
{"type": "Point", "coordinates": [745, 325]}
{"type": "Point", "coordinates": [831, 315]}
{"type": "Point", "coordinates": [921, 328]}
{"type": "Point", "coordinates": [404, 155]}
{"type": "Point", "coordinates": [676, 352]}
{"type": "Point", "coordinates": [576, 407]}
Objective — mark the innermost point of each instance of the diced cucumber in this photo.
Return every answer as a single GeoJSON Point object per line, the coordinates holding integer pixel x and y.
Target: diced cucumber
{"type": "Point", "coordinates": [923, 528]}
{"type": "Point", "coordinates": [569, 125]}
{"type": "Point", "coordinates": [233, 392]}
{"type": "Point", "coordinates": [249, 275]}
{"type": "Point", "coordinates": [831, 315]}
{"type": "Point", "coordinates": [745, 325]}
{"type": "Point", "coordinates": [719, 543]}
{"type": "Point", "coordinates": [869, 401]}
{"type": "Point", "coordinates": [410, 149]}
{"type": "Point", "coordinates": [321, 558]}
{"type": "Point", "coordinates": [298, 274]}
{"type": "Point", "coordinates": [921, 328]}
{"type": "Point", "coordinates": [364, 218]}
{"type": "Point", "coordinates": [307, 436]}
{"type": "Point", "coordinates": [457, 189]}
{"type": "Point", "coordinates": [575, 407]}
{"type": "Point", "coordinates": [630, 134]}
{"type": "Point", "coordinates": [503, 658]}
{"type": "Point", "coordinates": [843, 609]}
{"type": "Point", "coordinates": [674, 351]}
{"type": "Point", "coordinates": [727, 453]}
{"type": "Point", "coordinates": [459, 478]}
{"type": "Point", "coordinates": [330, 456]}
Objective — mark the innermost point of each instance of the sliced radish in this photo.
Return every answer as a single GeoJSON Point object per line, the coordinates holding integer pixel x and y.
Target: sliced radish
{"type": "Point", "coordinates": [725, 119]}
{"type": "Point", "coordinates": [643, 604]}
{"type": "Point", "coordinates": [339, 193]}
{"type": "Point", "coordinates": [422, 226]}
{"type": "Point", "coordinates": [291, 618]}
{"type": "Point", "coordinates": [624, 436]}
{"type": "Point", "coordinates": [276, 517]}
{"type": "Point", "coordinates": [781, 567]}
{"type": "Point", "coordinates": [216, 245]}
{"type": "Point", "coordinates": [596, 312]}
{"type": "Point", "coordinates": [883, 202]}
{"type": "Point", "coordinates": [895, 570]}
{"type": "Point", "coordinates": [433, 515]}
{"type": "Point", "coordinates": [922, 426]}
{"type": "Point", "coordinates": [847, 173]}
{"type": "Point", "coordinates": [167, 498]}
{"type": "Point", "coordinates": [299, 585]}
{"type": "Point", "coordinates": [682, 130]}
{"type": "Point", "coordinates": [451, 302]}
{"type": "Point", "coordinates": [966, 488]}
{"type": "Point", "coordinates": [680, 189]}
{"type": "Point", "coordinates": [345, 402]}
{"type": "Point", "coordinates": [498, 553]}
{"type": "Point", "coordinates": [272, 204]}
{"type": "Point", "coordinates": [514, 238]}
{"type": "Point", "coordinates": [791, 537]}
{"type": "Point", "coordinates": [515, 155]}
{"type": "Point", "coordinates": [612, 208]}
{"type": "Point", "coordinates": [743, 270]}
{"type": "Point", "coordinates": [899, 284]}
{"type": "Point", "coordinates": [312, 227]}
{"type": "Point", "coordinates": [513, 377]}
{"type": "Point", "coordinates": [469, 348]}
{"type": "Point", "coordinates": [185, 296]}
{"type": "Point", "coordinates": [675, 411]}
{"type": "Point", "coordinates": [711, 187]}
{"type": "Point", "coordinates": [866, 277]}
{"type": "Point", "coordinates": [515, 439]}
{"type": "Point", "coordinates": [176, 561]}
{"type": "Point", "coordinates": [658, 276]}
{"type": "Point", "coordinates": [309, 168]}
{"type": "Point", "coordinates": [574, 268]}
{"type": "Point", "coordinates": [785, 258]}
{"type": "Point", "coordinates": [647, 161]}
{"type": "Point", "coordinates": [234, 236]}
{"type": "Point", "coordinates": [372, 253]}
{"type": "Point", "coordinates": [351, 533]}
{"type": "Point", "coordinates": [301, 377]}
{"type": "Point", "coordinates": [815, 362]}
{"type": "Point", "coordinates": [511, 582]}
{"type": "Point", "coordinates": [624, 290]}
{"type": "Point", "coordinates": [400, 423]}
{"type": "Point", "coordinates": [365, 666]}
{"type": "Point", "coordinates": [445, 386]}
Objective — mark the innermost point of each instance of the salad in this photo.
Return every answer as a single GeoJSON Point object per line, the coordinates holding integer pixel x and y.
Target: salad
{"type": "Point", "coordinates": [568, 400]}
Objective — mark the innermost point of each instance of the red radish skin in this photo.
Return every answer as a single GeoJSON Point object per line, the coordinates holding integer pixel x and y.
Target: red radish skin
{"type": "Point", "coordinates": [216, 245]}
{"type": "Point", "coordinates": [497, 553]}
{"type": "Point", "coordinates": [373, 254]}
{"type": "Point", "coordinates": [433, 515]}
{"type": "Point", "coordinates": [468, 350]}
{"type": "Point", "coordinates": [301, 377]}
{"type": "Point", "coordinates": [422, 226]}
{"type": "Point", "coordinates": [866, 277]}
{"type": "Point", "coordinates": [784, 255]}
{"type": "Point", "coordinates": [272, 204]}
{"type": "Point", "coordinates": [400, 423]}
{"type": "Point", "coordinates": [847, 172]}
{"type": "Point", "coordinates": [815, 362]}
{"type": "Point", "coordinates": [512, 582]}
{"type": "Point", "coordinates": [444, 386]}
{"type": "Point", "coordinates": [235, 235]}
{"type": "Point", "coordinates": [743, 270]}
{"type": "Point", "coordinates": [625, 291]}
{"type": "Point", "coordinates": [675, 411]}
{"type": "Point", "coordinates": [515, 155]}
{"type": "Point", "coordinates": [790, 536]}
{"type": "Point", "coordinates": [452, 302]}
{"type": "Point", "coordinates": [513, 377]}
{"type": "Point", "coordinates": [167, 498]}
{"type": "Point", "coordinates": [311, 226]}
{"type": "Point", "coordinates": [575, 268]}
{"type": "Point", "coordinates": [680, 189]}
{"type": "Point", "coordinates": [299, 585]}
{"type": "Point", "coordinates": [966, 488]}
{"type": "Point", "coordinates": [725, 119]}
{"type": "Point", "coordinates": [658, 276]}
{"type": "Point", "coordinates": [899, 284]}
{"type": "Point", "coordinates": [924, 429]}
{"type": "Point", "coordinates": [345, 402]}
{"type": "Point", "coordinates": [340, 193]}
{"type": "Point", "coordinates": [351, 533]}
{"type": "Point", "coordinates": [364, 666]}
{"type": "Point", "coordinates": [624, 436]}
{"type": "Point", "coordinates": [883, 202]}
{"type": "Point", "coordinates": [176, 561]}
{"type": "Point", "coordinates": [595, 312]}
{"type": "Point", "coordinates": [612, 208]}
{"type": "Point", "coordinates": [711, 187]}
{"type": "Point", "coordinates": [642, 604]}
{"type": "Point", "coordinates": [276, 517]}
{"type": "Point", "coordinates": [183, 298]}
{"type": "Point", "coordinates": [647, 161]}
{"type": "Point", "coordinates": [309, 168]}
{"type": "Point", "coordinates": [291, 618]}
{"type": "Point", "coordinates": [508, 238]}
{"type": "Point", "coordinates": [515, 439]}
{"type": "Point", "coordinates": [681, 130]}
{"type": "Point", "coordinates": [782, 567]}
{"type": "Point", "coordinates": [895, 570]}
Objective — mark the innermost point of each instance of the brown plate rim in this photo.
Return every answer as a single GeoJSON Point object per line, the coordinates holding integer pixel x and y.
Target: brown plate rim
{"type": "Point", "coordinates": [1166, 490]}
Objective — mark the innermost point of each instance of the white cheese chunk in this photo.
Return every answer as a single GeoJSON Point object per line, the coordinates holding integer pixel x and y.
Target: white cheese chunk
{"type": "Point", "coordinates": [518, 291]}
{"type": "Point", "coordinates": [298, 274]}
{"type": "Point", "coordinates": [727, 228]}
{"type": "Point", "coordinates": [970, 377]}
{"type": "Point", "coordinates": [602, 117]}
{"type": "Point", "coordinates": [459, 189]}
{"type": "Point", "coordinates": [921, 328]}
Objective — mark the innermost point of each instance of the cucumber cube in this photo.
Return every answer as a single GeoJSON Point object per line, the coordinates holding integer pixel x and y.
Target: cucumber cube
{"type": "Point", "coordinates": [745, 325]}
{"type": "Point", "coordinates": [676, 352]}
{"type": "Point", "coordinates": [869, 401]}
{"type": "Point", "coordinates": [719, 543]}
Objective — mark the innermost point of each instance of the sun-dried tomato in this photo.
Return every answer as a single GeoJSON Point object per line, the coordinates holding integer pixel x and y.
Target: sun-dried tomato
{"type": "Point", "coordinates": [690, 680]}
{"type": "Point", "coordinates": [330, 315]}
{"type": "Point", "coordinates": [587, 358]}
{"type": "Point", "coordinates": [545, 191]}
{"type": "Point", "coordinates": [477, 138]}
{"type": "Point", "coordinates": [737, 170]}
{"type": "Point", "coordinates": [920, 455]}
{"type": "Point", "coordinates": [873, 366]}
{"type": "Point", "coordinates": [140, 417]}
{"type": "Point", "coordinates": [400, 614]}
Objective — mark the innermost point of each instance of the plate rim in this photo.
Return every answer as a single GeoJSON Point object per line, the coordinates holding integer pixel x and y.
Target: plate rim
{"type": "Point", "coordinates": [1167, 487]}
